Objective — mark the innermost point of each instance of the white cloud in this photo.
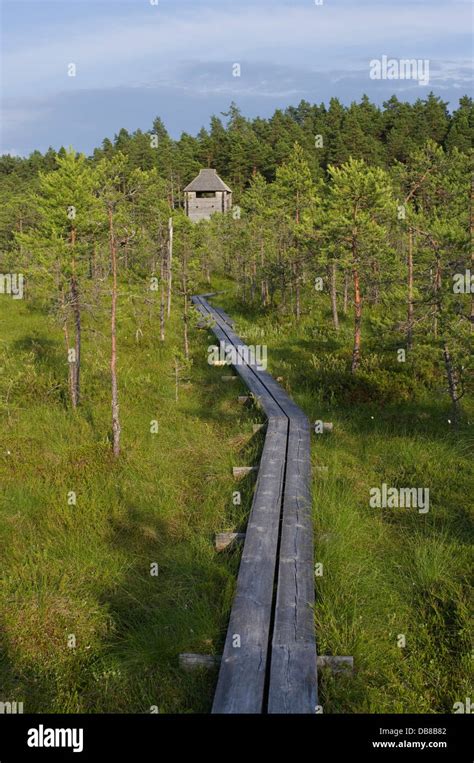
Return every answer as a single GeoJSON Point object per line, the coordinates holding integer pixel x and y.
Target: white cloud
{"type": "Point", "coordinates": [150, 43]}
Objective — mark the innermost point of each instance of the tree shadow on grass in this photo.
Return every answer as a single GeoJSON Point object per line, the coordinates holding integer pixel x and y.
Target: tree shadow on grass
{"type": "Point", "coordinates": [181, 608]}
{"type": "Point", "coordinates": [184, 607]}
{"type": "Point", "coordinates": [45, 351]}
{"type": "Point", "coordinates": [23, 685]}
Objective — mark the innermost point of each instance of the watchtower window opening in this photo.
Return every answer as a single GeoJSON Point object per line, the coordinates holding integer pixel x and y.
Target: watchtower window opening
{"type": "Point", "coordinates": [205, 195]}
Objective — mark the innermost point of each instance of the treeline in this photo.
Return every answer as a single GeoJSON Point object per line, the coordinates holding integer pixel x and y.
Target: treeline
{"type": "Point", "coordinates": [366, 210]}
{"type": "Point", "coordinates": [237, 147]}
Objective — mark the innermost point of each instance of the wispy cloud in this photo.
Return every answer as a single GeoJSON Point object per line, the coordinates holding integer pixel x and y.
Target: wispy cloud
{"type": "Point", "coordinates": [157, 37]}
{"type": "Point", "coordinates": [135, 60]}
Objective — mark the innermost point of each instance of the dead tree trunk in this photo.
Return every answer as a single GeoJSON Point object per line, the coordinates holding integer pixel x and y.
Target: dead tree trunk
{"type": "Point", "coordinates": [253, 282]}
{"type": "Point", "coordinates": [76, 310]}
{"type": "Point", "coordinates": [68, 347]}
{"type": "Point", "coordinates": [297, 291]}
{"type": "Point", "coordinates": [345, 303]}
{"type": "Point", "coordinates": [471, 226]}
{"type": "Point", "coordinates": [184, 283]}
{"type": "Point", "coordinates": [452, 381]}
{"type": "Point", "coordinates": [170, 264]}
{"type": "Point", "coordinates": [186, 319]}
{"type": "Point", "coordinates": [263, 283]}
{"type": "Point", "coordinates": [437, 287]}
{"type": "Point", "coordinates": [333, 290]}
{"type": "Point", "coordinates": [113, 326]}
{"type": "Point", "coordinates": [410, 291]}
{"type": "Point", "coordinates": [162, 296]}
{"type": "Point", "coordinates": [439, 322]}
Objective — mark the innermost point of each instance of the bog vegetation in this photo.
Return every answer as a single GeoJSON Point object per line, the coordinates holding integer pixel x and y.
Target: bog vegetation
{"type": "Point", "coordinates": [348, 253]}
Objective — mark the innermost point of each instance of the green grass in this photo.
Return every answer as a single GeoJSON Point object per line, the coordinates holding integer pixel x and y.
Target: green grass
{"type": "Point", "coordinates": [386, 572]}
{"type": "Point", "coordinates": [84, 569]}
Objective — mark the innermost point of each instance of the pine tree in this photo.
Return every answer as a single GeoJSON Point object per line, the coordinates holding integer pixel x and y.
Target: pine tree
{"type": "Point", "coordinates": [114, 193]}
{"type": "Point", "coordinates": [359, 204]}
{"type": "Point", "coordinates": [65, 202]}
{"type": "Point", "coordinates": [296, 199]}
{"type": "Point", "coordinates": [440, 193]}
{"type": "Point", "coordinates": [461, 128]}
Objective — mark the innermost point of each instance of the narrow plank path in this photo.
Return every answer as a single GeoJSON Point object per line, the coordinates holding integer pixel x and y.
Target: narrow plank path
{"type": "Point", "coordinates": [269, 658]}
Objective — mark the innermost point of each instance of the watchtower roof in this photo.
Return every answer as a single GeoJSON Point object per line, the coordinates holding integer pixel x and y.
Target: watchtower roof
{"type": "Point", "coordinates": [207, 180]}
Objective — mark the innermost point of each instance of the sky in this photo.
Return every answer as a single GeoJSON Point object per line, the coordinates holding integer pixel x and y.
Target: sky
{"type": "Point", "coordinates": [177, 59]}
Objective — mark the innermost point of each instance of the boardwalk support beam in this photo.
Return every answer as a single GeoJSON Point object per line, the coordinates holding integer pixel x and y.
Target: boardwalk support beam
{"type": "Point", "coordinates": [190, 662]}
{"type": "Point", "coordinates": [243, 471]}
{"type": "Point", "coordinates": [224, 540]}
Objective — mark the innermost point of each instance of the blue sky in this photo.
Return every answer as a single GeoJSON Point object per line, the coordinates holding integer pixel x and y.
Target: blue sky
{"type": "Point", "coordinates": [135, 60]}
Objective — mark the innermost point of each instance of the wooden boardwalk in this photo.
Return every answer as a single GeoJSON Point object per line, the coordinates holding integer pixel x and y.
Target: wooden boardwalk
{"type": "Point", "coordinates": [269, 658]}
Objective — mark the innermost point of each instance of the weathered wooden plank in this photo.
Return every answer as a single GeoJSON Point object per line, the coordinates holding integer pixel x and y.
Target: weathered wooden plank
{"type": "Point", "coordinates": [228, 335]}
{"type": "Point", "coordinates": [246, 373]}
{"type": "Point", "coordinates": [240, 686]}
{"type": "Point", "coordinates": [225, 317]}
{"type": "Point", "coordinates": [293, 670]}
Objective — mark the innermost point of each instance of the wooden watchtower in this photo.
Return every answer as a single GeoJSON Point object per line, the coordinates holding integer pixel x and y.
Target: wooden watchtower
{"type": "Point", "coordinates": [205, 195]}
